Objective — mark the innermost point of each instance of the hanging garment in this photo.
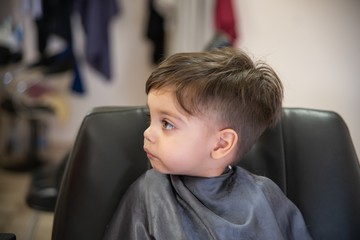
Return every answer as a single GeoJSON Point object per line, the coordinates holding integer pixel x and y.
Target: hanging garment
{"type": "Point", "coordinates": [95, 18]}
{"type": "Point", "coordinates": [225, 21]}
{"type": "Point", "coordinates": [54, 18]}
{"type": "Point", "coordinates": [189, 24]}
{"type": "Point", "coordinates": [155, 32]}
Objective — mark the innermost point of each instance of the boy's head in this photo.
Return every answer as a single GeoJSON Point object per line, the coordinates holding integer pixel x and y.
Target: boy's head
{"type": "Point", "coordinates": [224, 85]}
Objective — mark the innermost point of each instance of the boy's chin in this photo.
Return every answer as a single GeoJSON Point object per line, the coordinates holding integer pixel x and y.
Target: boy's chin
{"type": "Point", "coordinates": [159, 169]}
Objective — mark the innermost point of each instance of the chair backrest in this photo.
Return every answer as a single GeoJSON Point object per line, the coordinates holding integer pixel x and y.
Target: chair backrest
{"type": "Point", "coordinates": [309, 154]}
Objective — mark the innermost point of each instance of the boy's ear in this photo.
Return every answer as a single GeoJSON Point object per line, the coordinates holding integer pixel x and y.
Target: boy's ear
{"type": "Point", "coordinates": [226, 143]}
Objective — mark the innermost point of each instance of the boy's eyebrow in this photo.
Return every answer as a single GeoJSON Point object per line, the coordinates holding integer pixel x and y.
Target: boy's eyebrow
{"type": "Point", "coordinates": [163, 112]}
{"type": "Point", "coordinates": [172, 115]}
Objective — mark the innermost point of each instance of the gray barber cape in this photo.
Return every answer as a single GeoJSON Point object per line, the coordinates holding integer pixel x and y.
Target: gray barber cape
{"type": "Point", "coordinates": [235, 205]}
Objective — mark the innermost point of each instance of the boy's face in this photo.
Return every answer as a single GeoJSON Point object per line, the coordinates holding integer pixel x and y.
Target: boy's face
{"type": "Point", "coordinates": [175, 142]}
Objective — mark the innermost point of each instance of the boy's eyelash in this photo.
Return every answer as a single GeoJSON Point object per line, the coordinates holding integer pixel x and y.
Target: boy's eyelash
{"type": "Point", "coordinates": [166, 123]}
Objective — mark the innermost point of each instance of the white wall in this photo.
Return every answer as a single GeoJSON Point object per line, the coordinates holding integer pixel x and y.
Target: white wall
{"type": "Point", "coordinates": [315, 48]}
{"type": "Point", "coordinates": [313, 45]}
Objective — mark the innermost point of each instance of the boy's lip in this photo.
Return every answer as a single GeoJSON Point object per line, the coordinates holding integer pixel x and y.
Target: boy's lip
{"type": "Point", "coordinates": [148, 153]}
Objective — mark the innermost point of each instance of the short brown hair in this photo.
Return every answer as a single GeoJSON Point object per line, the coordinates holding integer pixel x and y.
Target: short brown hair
{"type": "Point", "coordinates": [244, 95]}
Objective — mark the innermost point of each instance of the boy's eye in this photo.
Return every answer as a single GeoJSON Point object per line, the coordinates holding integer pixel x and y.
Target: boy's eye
{"type": "Point", "coordinates": [166, 125]}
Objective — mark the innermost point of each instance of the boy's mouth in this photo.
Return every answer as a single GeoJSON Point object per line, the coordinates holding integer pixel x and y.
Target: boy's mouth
{"type": "Point", "coordinates": [149, 154]}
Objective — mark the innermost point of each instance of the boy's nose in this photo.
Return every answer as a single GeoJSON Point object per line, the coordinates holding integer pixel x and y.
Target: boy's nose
{"type": "Point", "coordinates": [147, 134]}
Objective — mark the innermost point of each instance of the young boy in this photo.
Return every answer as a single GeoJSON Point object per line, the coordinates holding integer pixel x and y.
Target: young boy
{"type": "Point", "coordinates": [207, 109]}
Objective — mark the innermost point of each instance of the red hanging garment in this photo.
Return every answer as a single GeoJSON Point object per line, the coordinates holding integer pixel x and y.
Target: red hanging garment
{"type": "Point", "coordinates": [225, 21]}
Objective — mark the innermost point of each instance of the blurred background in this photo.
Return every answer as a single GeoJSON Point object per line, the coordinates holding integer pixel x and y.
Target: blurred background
{"type": "Point", "coordinates": [60, 59]}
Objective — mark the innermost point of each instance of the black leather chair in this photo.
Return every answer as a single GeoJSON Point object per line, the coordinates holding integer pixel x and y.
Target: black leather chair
{"type": "Point", "coordinates": [309, 154]}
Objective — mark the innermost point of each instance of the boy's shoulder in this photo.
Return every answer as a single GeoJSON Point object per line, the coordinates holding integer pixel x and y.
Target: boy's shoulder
{"type": "Point", "coordinates": [258, 180]}
{"type": "Point", "coordinates": [264, 184]}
